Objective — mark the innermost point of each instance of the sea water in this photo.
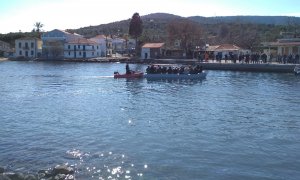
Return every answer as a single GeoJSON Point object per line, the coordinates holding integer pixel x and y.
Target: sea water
{"type": "Point", "coordinates": [231, 125]}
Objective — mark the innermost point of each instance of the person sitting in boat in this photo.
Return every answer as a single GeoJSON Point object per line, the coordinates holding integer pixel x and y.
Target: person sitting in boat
{"type": "Point", "coordinates": [128, 71]}
{"type": "Point", "coordinates": [148, 70]}
{"type": "Point", "coordinates": [181, 70]}
{"type": "Point", "coordinates": [169, 71]}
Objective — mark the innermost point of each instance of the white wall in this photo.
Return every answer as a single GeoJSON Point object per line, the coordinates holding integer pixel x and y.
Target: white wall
{"type": "Point", "coordinates": [145, 52]}
{"type": "Point", "coordinates": [29, 51]}
{"type": "Point", "coordinates": [90, 51]}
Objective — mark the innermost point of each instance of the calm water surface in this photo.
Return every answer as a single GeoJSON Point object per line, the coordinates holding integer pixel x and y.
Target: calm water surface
{"type": "Point", "coordinates": [232, 125]}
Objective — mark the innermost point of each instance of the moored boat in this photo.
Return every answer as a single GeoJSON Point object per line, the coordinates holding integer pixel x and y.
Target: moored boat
{"type": "Point", "coordinates": [129, 75]}
{"type": "Point", "coordinates": [201, 75]}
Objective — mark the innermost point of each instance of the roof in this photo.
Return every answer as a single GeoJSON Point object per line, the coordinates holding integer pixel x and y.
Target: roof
{"type": "Point", "coordinates": [223, 47]}
{"type": "Point", "coordinates": [283, 44]}
{"type": "Point", "coordinates": [153, 45]}
{"type": "Point", "coordinates": [82, 41]}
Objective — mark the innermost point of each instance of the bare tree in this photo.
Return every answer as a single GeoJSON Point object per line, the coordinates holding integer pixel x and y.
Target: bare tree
{"type": "Point", "coordinates": [187, 32]}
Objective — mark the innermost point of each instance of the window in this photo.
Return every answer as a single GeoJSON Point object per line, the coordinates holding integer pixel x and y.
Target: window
{"type": "Point", "coordinates": [97, 47]}
{"type": "Point", "coordinates": [20, 53]}
{"type": "Point", "coordinates": [93, 52]}
{"type": "Point", "coordinates": [26, 45]}
{"type": "Point", "coordinates": [20, 45]}
{"type": "Point", "coordinates": [69, 47]}
{"type": "Point", "coordinates": [32, 45]}
{"type": "Point", "coordinates": [78, 46]}
{"type": "Point", "coordinates": [32, 53]}
{"type": "Point", "coordinates": [79, 53]}
{"type": "Point", "coordinates": [69, 52]}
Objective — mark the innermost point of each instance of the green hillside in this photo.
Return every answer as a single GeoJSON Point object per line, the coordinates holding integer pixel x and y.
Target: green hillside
{"type": "Point", "coordinates": [245, 31]}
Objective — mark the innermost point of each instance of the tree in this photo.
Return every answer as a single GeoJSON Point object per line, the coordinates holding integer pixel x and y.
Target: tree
{"type": "Point", "coordinates": [38, 26]}
{"type": "Point", "coordinates": [187, 32]}
{"type": "Point", "coordinates": [136, 28]}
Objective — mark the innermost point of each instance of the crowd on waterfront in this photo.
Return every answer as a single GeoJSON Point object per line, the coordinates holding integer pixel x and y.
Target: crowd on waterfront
{"type": "Point", "coordinates": [253, 58]}
{"type": "Point", "coordinates": [174, 70]}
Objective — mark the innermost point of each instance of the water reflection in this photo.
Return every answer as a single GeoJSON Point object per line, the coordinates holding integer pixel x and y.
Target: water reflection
{"type": "Point", "coordinates": [177, 81]}
{"type": "Point", "coordinates": [134, 86]}
{"type": "Point", "coordinates": [104, 165]}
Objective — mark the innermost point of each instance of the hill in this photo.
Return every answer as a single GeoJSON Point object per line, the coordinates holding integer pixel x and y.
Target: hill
{"type": "Point", "coordinates": [245, 31]}
{"type": "Point", "coordinates": [156, 21]}
{"type": "Point", "coordinates": [266, 20]}
{"type": "Point", "coordinates": [159, 21]}
{"type": "Point", "coordinates": [226, 29]}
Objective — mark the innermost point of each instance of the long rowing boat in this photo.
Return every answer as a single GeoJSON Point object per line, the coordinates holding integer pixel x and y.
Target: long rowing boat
{"type": "Point", "coordinates": [201, 75]}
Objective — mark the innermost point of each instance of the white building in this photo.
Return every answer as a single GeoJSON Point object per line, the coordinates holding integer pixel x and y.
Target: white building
{"type": "Point", "coordinates": [119, 45]}
{"type": "Point", "coordinates": [28, 47]}
{"type": "Point", "coordinates": [131, 44]}
{"type": "Point", "coordinates": [81, 48]}
{"type": "Point", "coordinates": [54, 43]}
{"type": "Point", "coordinates": [152, 50]}
{"type": "Point", "coordinates": [105, 43]}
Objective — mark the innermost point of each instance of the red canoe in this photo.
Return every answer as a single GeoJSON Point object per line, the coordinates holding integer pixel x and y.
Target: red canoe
{"type": "Point", "coordinates": [132, 75]}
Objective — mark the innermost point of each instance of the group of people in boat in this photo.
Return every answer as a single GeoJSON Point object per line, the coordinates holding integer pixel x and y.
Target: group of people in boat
{"type": "Point", "coordinates": [174, 70]}
{"type": "Point", "coordinates": [169, 70]}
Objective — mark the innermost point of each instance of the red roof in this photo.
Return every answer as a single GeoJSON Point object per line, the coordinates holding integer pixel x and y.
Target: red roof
{"type": "Point", "coordinates": [153, 45]}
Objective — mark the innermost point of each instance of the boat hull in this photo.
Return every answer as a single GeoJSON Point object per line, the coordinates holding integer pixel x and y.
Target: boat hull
{"type": "Point", "coordinates": [176, 76]}
{"type": "Point", "coordinates": [132, 75]}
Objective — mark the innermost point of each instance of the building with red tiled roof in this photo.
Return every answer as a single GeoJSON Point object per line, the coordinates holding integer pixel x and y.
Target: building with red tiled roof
{"type": "Point", "coordinates": [223, 47]}
{"type": "Point", "coordinates": [152, 50]}
{"type": "Point", "coordinates": [223, 51]}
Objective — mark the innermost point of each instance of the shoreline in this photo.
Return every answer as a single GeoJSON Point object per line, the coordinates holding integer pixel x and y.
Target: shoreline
{"type": "Point", "coordinates": [3, 59]}
{"type": "Point", "coordinates": [208, 65]}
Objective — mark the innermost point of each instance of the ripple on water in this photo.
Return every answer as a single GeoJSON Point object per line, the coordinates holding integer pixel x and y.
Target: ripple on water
{"type": "Point", "coordinates": [104, 165]}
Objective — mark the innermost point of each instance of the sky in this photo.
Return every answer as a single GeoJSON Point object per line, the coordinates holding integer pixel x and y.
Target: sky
{"type": "Point", "coordinates": [21, 15]}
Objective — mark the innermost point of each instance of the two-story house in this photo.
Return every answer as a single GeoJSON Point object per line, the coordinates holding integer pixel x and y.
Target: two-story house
{"type": "Point", "coordinates": [54, 43]}
{"type": "Point", "coordinates": [81, 48]}
{"type": "Point", "coordinates": [28, 47]}
{"type": "Point", "coordinates": [105, 43]}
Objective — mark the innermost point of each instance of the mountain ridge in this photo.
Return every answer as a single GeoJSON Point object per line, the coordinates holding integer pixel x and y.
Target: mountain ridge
{"type": "Point", "coordinates": [159, 20]}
